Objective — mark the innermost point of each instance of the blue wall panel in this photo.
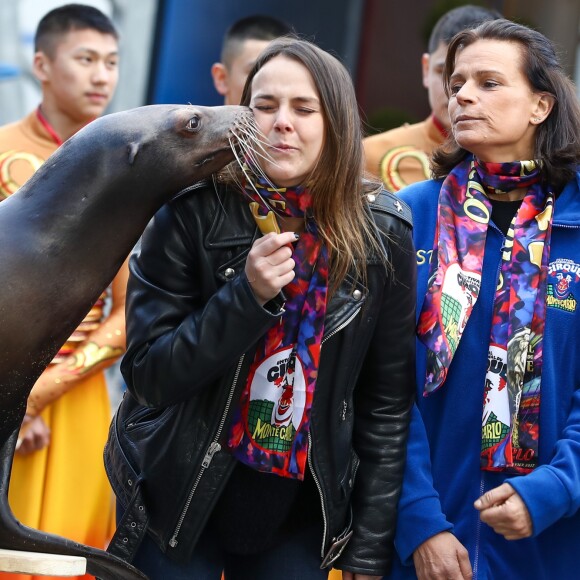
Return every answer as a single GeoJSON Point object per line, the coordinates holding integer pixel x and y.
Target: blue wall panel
{"type": "Point", "coordinates": [190, 33]}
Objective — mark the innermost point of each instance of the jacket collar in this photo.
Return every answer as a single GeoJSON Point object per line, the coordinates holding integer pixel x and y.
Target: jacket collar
{"type": "Point", "coordinates": [234, 227]}
{"type": "Point", "coordinates": [567, 205]}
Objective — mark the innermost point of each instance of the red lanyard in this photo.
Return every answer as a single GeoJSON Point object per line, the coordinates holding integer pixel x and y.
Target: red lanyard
{"type": "Point", "coordinates": [48, 127]}
{"type": "Point", "coordinates": [439, 126]}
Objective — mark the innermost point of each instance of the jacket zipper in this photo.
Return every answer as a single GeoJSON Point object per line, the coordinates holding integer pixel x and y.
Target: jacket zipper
{"type": "Point", "coordinates": [481, 482]}
{"type": "Point", "coordinates": [213, 448]}
{"type": "Point", "coordinates": [565, 226]}
{"type": "Point", "coordinates": [310, 464]}
{"type": "Point", "coordinates": [477, 536]}
{"type": "Point", "coordinates": [341, 326]}
{"type": "Point", "coordinates": [321, 493]}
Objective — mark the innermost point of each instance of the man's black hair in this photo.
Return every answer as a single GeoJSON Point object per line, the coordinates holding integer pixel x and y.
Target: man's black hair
{"type": "Point", "coordinates": [456, 20]}
{"type": "Point", "coordinates": [66, 18]}
{"type": "Point", "coordinates": [257, 27]}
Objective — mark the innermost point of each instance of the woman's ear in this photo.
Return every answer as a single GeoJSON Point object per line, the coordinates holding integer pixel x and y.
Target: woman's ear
{"type": "Point", "coordinates": [543, 108]}
{"type": "Point", "coordinates": [220, 78]}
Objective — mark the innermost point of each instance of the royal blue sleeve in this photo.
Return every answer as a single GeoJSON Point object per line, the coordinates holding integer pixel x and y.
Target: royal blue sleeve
{"type": "Point", "coordinates": [552, 491]}
{"type": "Point", "coordinates": [420, 515]}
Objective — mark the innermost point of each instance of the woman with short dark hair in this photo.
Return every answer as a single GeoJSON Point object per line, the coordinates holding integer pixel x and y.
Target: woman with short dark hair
{"type": "Point", "coordinates": [494, 452]}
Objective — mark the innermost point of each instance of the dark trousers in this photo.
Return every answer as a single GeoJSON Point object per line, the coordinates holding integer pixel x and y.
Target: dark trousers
{"type": "Point", "coordinates": [296, 558]}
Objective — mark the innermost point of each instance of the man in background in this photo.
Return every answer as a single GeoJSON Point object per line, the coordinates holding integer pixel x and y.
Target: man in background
{"type": "Point", "coordinates": [243, 42]}
{"type": "Point", "coordinates": [58, 482]}
{"type": "Point", "coordinates": [401, 156]}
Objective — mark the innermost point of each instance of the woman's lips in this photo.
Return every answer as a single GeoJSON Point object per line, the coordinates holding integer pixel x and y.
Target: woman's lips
{"type": "Point", "coordinates": [464, 118]}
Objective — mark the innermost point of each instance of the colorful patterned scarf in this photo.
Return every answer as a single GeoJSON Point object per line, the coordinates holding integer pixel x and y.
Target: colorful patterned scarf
{"type": "Point", "coordinates": [510, 424]}
{"type": "Point", "coordinates": [270, 428]}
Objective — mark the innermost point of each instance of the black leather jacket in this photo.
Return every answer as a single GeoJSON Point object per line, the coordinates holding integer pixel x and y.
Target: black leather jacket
{"type": "Point", "coordinates": [192, 321]}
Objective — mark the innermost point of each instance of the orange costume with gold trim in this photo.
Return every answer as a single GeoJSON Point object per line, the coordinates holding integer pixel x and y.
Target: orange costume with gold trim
{"type": "Point", "coordinates": [63, 488]}
{"type": "Point", "coordinates": [401, 156]}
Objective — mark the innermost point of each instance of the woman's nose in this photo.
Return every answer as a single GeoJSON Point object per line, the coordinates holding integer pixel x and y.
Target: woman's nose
{"type": "Point", "coordinates": [464, 94]}
{"type": "Point", "coordinates": [283, 122]}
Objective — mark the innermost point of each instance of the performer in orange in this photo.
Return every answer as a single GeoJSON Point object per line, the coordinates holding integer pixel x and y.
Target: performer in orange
{"type": "Point", "coordinates": [401, 156]}
{"type": "Point", "coordinates": [58, 482]}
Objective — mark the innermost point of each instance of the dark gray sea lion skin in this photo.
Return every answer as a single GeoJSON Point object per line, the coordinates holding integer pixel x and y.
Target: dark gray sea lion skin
{"type": "Point", "coordinates": [64, 235]}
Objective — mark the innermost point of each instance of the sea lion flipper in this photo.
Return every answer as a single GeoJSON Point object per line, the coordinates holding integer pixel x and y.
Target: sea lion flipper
{"type": "Point", "coordinates": [15, 536]}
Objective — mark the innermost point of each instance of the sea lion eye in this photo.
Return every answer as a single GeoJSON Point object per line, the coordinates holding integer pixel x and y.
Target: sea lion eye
{"type": "Point", "coordinates": [194, 123]}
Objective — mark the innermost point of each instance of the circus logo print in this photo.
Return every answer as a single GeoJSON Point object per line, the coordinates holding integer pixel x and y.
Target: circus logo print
{"type": "Point", "coordinates": [562, 288]}
{"type": "Point", "coordinates": [277, 401]}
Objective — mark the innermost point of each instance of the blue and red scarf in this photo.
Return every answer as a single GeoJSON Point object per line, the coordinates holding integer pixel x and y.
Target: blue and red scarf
{"type": "Point", "coordinates": [510, 423]}
{"type": "Point", "coordinates": [270, 428]}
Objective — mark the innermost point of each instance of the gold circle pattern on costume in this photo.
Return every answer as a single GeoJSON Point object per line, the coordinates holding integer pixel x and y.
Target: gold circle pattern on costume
{"type": "Point", "coordinates": [389, 165]}
{"type": "Point", "coordinates": [8, 185]}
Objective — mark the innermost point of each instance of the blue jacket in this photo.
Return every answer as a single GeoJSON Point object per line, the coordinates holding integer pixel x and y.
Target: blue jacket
{"type": "Point", "coordinates": [443, 477]}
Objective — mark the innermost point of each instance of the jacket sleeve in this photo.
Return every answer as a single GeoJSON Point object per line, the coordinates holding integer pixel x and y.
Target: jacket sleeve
{"type": "Point", "coordinates": [383, 399]}
{"type": "Point", "coordinates": [178, 340]}
{"type": "Point", "coordinates": [552, 491]}
{"type": "Point", "coordinates": [420, 515]}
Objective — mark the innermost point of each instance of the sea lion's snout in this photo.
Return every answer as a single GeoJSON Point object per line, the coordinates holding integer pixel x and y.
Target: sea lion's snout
{"type": "Point", "coordinates": [220, 135]}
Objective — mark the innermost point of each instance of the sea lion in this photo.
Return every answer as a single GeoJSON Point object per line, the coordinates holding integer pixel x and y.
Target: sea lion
{"type": "Point", "coordinates": [64, 235]}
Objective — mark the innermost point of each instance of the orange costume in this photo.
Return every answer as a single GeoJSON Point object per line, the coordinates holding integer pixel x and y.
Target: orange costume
{"type": "Point", "coordinates": [63, 488]}
{"type": "Point", "coordinates": [401, 156]}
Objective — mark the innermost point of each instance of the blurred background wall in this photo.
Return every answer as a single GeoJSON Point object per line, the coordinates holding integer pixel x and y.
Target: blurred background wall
{"type": "Point", "coordinates": [168, 46]}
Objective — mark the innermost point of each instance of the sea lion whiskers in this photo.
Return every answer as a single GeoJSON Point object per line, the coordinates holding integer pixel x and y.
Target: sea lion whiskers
{"type": "Point", "coordinates": [254, 157]}
{"type": "Point", "coordinates": [250, 130]}
{"type": "Point", "coordinates": [249, 157]}
{"type": "Point", "coordinates": [249, 146]}
{"type": "Point", "coordinates": [252, 153]}
{"type": "Point", "coordinates": [251, 136]}
{"type": "Point", "coordinates": [250, 181]}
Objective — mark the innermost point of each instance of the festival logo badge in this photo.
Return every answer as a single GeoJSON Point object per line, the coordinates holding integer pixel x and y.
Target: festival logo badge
{"type": "Point", "coordinates": [277, 401]}
{"type": "Point", "coordinates": [562, 288]}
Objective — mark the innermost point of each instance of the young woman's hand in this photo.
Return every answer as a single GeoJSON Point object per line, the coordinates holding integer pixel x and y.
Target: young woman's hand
{"type": "Point", "coordinates": [270, 266]}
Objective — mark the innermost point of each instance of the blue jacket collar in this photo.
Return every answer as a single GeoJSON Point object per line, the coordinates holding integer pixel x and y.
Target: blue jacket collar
{"type": "Point", "coordinates": [567, 206]}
